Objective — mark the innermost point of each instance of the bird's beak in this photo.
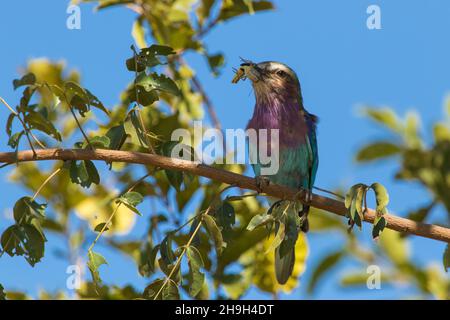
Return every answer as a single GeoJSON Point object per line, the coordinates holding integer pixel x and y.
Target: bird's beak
{"type": "Point", "coordinates": [247, 70]}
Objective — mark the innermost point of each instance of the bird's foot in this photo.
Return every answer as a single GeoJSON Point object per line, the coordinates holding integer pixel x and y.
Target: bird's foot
{"type": "Point", "coordinates": [261, 183]}
{"type": "Point", "coordinates": [305, 195]}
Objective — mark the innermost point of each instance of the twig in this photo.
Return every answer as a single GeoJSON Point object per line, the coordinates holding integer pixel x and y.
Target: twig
{"type": "Point", "coordinates": [27, 130]}
{"type": "Point", "coordinates": [208, 103]}
{"type": "Point", "coordinates": [331, 205]}
{"type": "Point", "coordinates": [45, 182]}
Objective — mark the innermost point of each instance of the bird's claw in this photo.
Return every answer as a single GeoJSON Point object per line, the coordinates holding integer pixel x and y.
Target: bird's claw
{"type": "Point", "coordinates": [308, 196]}
{"type": "Point", "coordinates": [261, 183]}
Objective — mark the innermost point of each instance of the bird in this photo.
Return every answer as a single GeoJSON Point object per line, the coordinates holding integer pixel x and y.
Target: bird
{"type": "Point", "coordinates": [279, 105]}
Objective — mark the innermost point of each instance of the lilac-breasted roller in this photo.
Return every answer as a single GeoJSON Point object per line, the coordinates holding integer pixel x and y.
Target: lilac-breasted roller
{"type": "Point", "coordinates": [279, 105]}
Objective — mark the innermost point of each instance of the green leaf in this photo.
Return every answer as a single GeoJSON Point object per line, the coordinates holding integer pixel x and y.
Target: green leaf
{"type": "Point", "coordinates": [142, 97]}
{"type": "Point", "coordinates": [377, 150]}
{"type": "Point", "coordinates": [28, 79]}
{"type": "Point", "coordinates": [95, 260]}
{"type": "Point", "coordinates": [102, 142]}
{"type": "Point", "coordinates": [204, 10]}
{"type": "Point", "coordinates": [26, 208]}
{"type": "Point", "coordinates": [134, 129]}
{"type": "Point", "coordinates": [384, 116]}
{"type": "Point", "coordinates": [131, 200]}
{"type": "Point", "coordinates": [148, 57]}
{"type": "Point", "coordinates": [279, 237]}
{"type": "Point", "coordinates": [14, 140]}
{"type": "Point", "coordinates": [175, 177]}
{"type": "Point", "coordinates": [378, 226]}
{"type": "Point", "coordinates": [2, 293]}
{"type": "Point", "coordinates": [225, 216]}
{"type": "Point", "coordinates": [165, 250]}
{"type": "Point", "coordinates": [259, 220]}
{"type": "Point", "coordinates": [170, 291]}
{"type": "Point", "coordinates": [359, 203]}
{"type": "Point", "coordinates": [9, 123]}
{"type": "Point", "coordinates": [351, 194]}
{"type": "Point", "coordinates": [152, 289]}
{"type": "Point", "coordinates": [102, 4]}
{"type": "Point", "coordinates": [36, 120]}
{"type": "Point", "coordinates": [84, 173]}
{"type": "Point", "coordinates": [232, 9]}
{"type": "Point", "coordinates": [117, 137]}
{"type": "Point", "coordinates": [446, 257]}
{"type": "Point", "coordinates": [100, 227]}
{"type": "Point", "coordinates": [216, 62]}
{"type": "Point", "coordinates": [159, 82]}
{"type": "Point", "coordinates": [197, 278]}
{"type": "Point", "coordinates": [213, 230]}
{"type": "Point", "coordinates": [138, 32]}
{"type": "Point", "coordinates": [441, 132]}
{"type": "Point", "coordinates": [26, 240]}
{"type": "Point", "coordinates": [95, 102]}
{"type": "Point", "coordinates": [325, 265]}
{"type": "Point", "coordinates": [382, 197]}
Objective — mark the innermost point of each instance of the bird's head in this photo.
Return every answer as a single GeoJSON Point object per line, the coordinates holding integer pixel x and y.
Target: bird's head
{"type": "Point", "coordinates": [270, 79]}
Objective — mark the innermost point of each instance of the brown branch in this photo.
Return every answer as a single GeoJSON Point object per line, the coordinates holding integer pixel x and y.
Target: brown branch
{"type": "Point", "coordinates": [244, 182]}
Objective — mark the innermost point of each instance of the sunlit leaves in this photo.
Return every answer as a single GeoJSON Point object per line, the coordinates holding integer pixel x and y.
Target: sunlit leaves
{"type": "Point", "coordinates": [84, 173]}
{"type": "Point", "coordinates": [385, 117]}
{"type": "Point", "coordinates": [395, 247]}
{"type": "Point", "coordinates": [356, 203]}
{"type": "Point", "coordinates": [381, 195]}
{"type": "Point", "coordinates": [131, 200]}
{"type": "Point", "coordinates": [95, 260]}
{"type": "Point", "coordinates": [377, 150]}
{"type": "Point", "coordinates": [135, 130]}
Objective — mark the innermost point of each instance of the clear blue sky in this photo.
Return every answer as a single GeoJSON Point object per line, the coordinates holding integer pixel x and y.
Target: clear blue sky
{"type": "Point", "coordinates": [341, 65]}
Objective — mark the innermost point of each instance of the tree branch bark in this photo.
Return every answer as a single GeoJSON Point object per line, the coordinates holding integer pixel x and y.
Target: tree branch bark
{"type": "Point", "coordinates": [331, 205]}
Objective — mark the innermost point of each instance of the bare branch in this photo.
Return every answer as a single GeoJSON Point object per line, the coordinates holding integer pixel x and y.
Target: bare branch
{"type": "Point", "coordinates": [331, 205]}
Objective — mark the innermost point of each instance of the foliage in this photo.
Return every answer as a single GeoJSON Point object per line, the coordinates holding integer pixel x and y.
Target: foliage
{"type": "Point", "coordinates": [225, 245]}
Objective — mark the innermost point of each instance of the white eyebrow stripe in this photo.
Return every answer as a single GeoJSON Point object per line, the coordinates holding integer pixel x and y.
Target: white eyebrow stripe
{"type": "Point", "coordinates": [273, 66]}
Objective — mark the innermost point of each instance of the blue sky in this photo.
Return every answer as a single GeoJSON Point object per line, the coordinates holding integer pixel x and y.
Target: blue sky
{"type": "Point", "coordinates": [341, 65]}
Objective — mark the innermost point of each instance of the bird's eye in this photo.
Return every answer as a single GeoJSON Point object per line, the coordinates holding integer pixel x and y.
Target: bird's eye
{"type": "Point", "coordinates": [282, 73]}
